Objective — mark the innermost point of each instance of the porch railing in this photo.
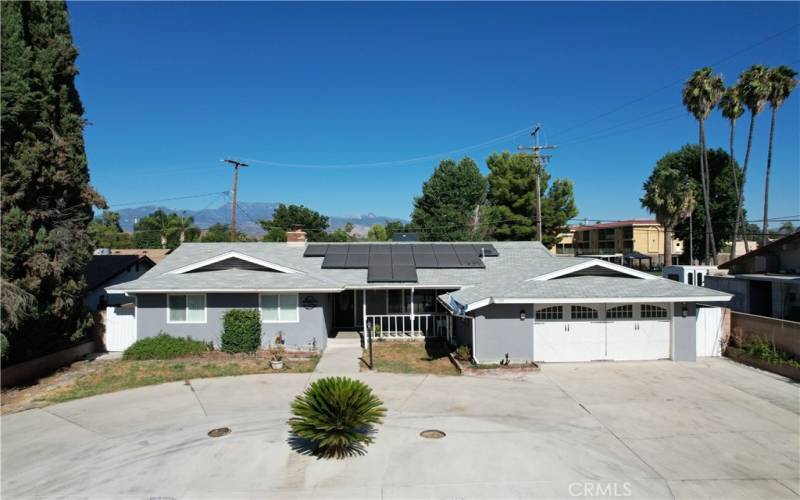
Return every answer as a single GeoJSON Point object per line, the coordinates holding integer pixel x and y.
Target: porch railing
{"type": "Point", "coordinates": [403, 326]}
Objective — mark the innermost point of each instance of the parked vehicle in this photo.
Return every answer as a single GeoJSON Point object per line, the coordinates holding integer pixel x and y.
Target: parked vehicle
{"type": "Point", "coordinates": [690, 275]}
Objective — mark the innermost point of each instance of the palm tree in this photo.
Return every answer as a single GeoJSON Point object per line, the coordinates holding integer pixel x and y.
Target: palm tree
{"type": "Point", "coordinates": [754, 91]}
{"type": "Point", "coordinates": [732, 108]}
{"type": "Point", "coordinates": [782, 82]}
{"type": "Point", "coordinates": [701, 93]}
{"type": "Point", "coordinates": [184, 227]}
{"type": "Point", "coordinates": [669, 195]}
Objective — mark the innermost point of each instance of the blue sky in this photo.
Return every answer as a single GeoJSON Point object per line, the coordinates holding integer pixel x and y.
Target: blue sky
{"type": "Point", "coordinates": [171, 88]}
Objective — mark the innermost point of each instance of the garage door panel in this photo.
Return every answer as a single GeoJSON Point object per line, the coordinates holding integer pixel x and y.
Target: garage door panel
{"type": "Point", "coordinates": [622, 340]}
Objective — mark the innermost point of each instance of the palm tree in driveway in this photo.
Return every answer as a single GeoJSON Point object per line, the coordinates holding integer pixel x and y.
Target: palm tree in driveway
{"type": "Point", "coordinates": [669, 195]}
{"type": "Point", "coordinates": [701, 93]}
{"type": "Point", "coordinates": [754, 91]}
{"type": "Point", "coordinates": [782, 81]}
{"type": "Point", "coordinates": [732, 108]}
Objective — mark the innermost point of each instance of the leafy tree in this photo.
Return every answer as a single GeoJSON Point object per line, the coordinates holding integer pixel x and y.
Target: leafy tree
{"type": "Point", "coordinates": [782, 81]}
{"type": "Point", "coordinates": [163, 230]}
{"type": "Point", "coordinates": [445, 210]}
{"type": "Point", "coordinates": [754, 89]}
{"type": "Point", "coordinates": [701, 93]}
{"type": "Point", "coordinates": [722, 202]}
{"type": "Point", "coordinates": [512, 200]}
{"type": "Point", "coordinates": [669, 194]}
{"type": "Point", "coordinates": [342, 234]}
{"type": "Point", "coordinates": [106, 232]}
{"type": "Point", "coordinates": [290, 217]}
{"type": "Point", "coordinates": [377, 233]}
{"type": "Point", "coordinates": [221, 233]}
{"type": "Point", "coordinates": [46, 196]}
{"type": "Point", "coordinates": [394, 226]}
{"type": "Point", "coordinates": [732, 108]}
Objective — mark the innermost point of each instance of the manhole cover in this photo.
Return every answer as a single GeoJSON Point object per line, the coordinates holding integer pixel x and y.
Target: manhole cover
{"type": "Point", "coordinates": [222, 431]}
{"type": "Point", "coordinates": [432, 434]}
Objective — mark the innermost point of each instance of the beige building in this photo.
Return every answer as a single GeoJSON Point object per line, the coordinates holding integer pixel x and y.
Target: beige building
{"type": "Point", "coordinates": [638, 239]}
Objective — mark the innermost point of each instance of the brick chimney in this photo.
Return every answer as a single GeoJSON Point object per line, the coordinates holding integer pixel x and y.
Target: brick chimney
{"type": "Point", "coordinates": [296, 238]}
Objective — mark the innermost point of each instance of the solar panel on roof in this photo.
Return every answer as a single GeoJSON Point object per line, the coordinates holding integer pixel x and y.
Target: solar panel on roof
{"type": "Point", "coordinates": [425, 261]}
{"type": "Point", "coordinates": [379, 273]}
{"type": "Point", "coordinates": [362, 249]}
{"type": "Point", "coordinates": [338, 249]}
{"type": "Point", "coordinates": [357, 261]}
{"type": "Point", "coordinates": [380, 259]}
{"type": "Point", "coordinates": [448, 260]}
{"type": "Point", "coordinates": [442, 248]}
{"type": "Point", "coordinates": [419, 248]}
{"type": "Point", "coordinates": [316, 250]}
{"type": "Point", "coordinates": [401, 249]}
{"type": "Point", "coordinates": [470, 260]}
{"type": "Point", "coordinates": [403, 259]}
{"type": "Point", "coordinates": [334, 260]}
{"type": "Point", "coordinates": [374, 249]}
{"type": "Point", "coordinates": [488, 249]}
{"type": "Point", "coordinates": [404, 273]}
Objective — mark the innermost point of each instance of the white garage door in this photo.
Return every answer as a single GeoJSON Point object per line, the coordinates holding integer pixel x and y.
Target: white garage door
{"type": "Point", "coordinates": [589, 332]}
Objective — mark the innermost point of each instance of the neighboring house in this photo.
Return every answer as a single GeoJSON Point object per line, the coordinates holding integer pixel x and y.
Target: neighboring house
{"type": "Point", "coordinates": [155, 254]}
{"type": "Point", "coordinates": [498, 298]}
{"type": "Point", "coordinates": [765, 281]}
{"type": "Point", "coordinates": [624, 241]}
{"type": "Point", "coordinates": [106, 270]}
{"type": "Point", "coordinates": [565, 244]}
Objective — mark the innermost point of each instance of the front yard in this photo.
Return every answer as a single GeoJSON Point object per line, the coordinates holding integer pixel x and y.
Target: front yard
{"type": "Point", "coordinates": [428, 356]}
{"type": "Point", "coordinates": [85, 379]}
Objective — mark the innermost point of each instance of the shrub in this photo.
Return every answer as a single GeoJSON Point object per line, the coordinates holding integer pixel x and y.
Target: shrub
{"type": "Point", "coordinates": [463, 353]}
{"type": "Point", "coordinates": [337, 415]}
{"type": "Point", "coordinates": [241, 330]}
{"type": "Point", "coordinates": [164, 346]}
{"type": "Point", "coordinates": [763, 349]}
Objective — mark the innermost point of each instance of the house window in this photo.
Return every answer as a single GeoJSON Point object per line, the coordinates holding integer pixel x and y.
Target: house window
{"type": "Point", "coordinates": [550, 313]}
{"type": "Point", "coordinates": [186, 308]}
{"type": "Point", "coordinates": [690, 277]}
{"type": "Point", "coordinates": [582, 312]}
{"type": "Point", "coordinates": [620, 312]}
{"type": "Point", "coordinates": [279, 308]}
{"type": "Point", "coordinates": [652, 311]}
{"type": "Point", "coordinates": [699, 279]}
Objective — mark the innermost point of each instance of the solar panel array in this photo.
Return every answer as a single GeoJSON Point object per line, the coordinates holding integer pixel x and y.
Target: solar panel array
{"type": "Point", "coordinates": [399, 263]}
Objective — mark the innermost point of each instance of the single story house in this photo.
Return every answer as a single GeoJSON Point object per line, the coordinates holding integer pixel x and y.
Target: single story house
{"type": "Point", "coordinates": [104, 271]}
{"type": "Point", "coordinates": [765, 281]}
{"type": "Point", "coordinates": [499, 298]}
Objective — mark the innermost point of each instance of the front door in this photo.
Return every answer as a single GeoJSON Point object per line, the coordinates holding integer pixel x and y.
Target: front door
{"type": "Point", "coordinates": [345, 310]}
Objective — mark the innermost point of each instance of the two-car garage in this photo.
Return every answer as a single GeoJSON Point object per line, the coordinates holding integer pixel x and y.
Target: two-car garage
{"type": "Point", "coordinates": [590, 332]}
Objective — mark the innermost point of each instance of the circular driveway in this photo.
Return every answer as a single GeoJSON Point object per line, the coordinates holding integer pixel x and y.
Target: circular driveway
{"type": "Point", "coordinates": [656, 429]}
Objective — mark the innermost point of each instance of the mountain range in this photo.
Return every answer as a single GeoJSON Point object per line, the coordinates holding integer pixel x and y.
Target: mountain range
{"type": "Point", "coordinates": [247, 217]}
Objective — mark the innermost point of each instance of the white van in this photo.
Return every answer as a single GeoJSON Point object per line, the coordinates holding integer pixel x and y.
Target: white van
{"type": "Point", "coordinates": [691, 275]}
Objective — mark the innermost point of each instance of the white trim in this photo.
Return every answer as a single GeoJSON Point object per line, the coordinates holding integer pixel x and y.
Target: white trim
{"type": "Point", "coordinates": [604, 300]}
{"type": "Point", "coordinates": [297, 308]}
{"type": "Point", "coordinates": [205, 309]}
{"type": "Point", "coordinates": [233, 255]}
{"type": "Point", "coordinates": [228, 290]}
{"type": "Point", "coordinates": [593, 263]}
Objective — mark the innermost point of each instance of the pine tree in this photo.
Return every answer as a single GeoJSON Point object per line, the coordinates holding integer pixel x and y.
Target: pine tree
{"type": "Point", "coordinates": [445, 211]}
{"type": "Point", "coordinates": [46, 197]}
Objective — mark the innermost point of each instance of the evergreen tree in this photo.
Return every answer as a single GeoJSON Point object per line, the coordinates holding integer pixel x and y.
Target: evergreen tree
{"type": "Point", "coordinates": [106, 232]}
{"type": "Point", "coordinates": [450, 198]}
{"type": "Point", "coordinates": [221, 233]}
{"type": "Point", "coordinates": [46, 197]}
{"type": "Point", "coordinates": [289, 217]}
{"type": "Point", "coordinates": [512, 200]}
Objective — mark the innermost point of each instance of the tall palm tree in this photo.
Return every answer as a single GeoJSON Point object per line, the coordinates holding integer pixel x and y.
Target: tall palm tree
{"type": "Point", "coordinates": [669, 195]}
{"type": "Point", "coordinates": [732, 108]}
{"type": "Point", "coordinates": [754, 91]}
{"type": "Point", "coordinates": [782, 82]}
{"type": "Point", "coordinates": [701, 93]}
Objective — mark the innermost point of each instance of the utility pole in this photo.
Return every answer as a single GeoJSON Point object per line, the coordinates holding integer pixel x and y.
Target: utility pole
{"type": "Point", "coordinates": [236, 164]}
{"type": "Point", "coordinates": [538, 161]}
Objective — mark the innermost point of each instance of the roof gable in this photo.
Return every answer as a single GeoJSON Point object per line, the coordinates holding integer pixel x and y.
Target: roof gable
{"type": "Point", "coordinates": [235, 260]}
{"type": "Point", "coordinates": [594, 267]}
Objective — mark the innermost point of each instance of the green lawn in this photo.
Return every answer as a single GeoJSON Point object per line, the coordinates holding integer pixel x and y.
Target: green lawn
{"type": "Point", "coordinates": [119, 375]}
{"type": "Point", "coordinates": [412, 357]}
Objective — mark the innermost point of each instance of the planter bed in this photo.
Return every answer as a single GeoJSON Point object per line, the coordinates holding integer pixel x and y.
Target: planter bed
{"type": "Point", "coordinates": [492, 369]}
{"type": "Point", "coordinates": [740, 356]}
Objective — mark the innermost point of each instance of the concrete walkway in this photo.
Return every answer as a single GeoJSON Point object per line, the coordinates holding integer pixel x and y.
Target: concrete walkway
{"type": "Point", "coordinates": [340, 357]}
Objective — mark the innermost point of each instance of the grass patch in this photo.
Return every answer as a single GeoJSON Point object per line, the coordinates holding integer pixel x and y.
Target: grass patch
{"type": "Point", "coordinates": [128, 374]}
{"type": "Point", "coordinates": [429, 356]}
{"type": "Point", "coordinates": [164, 346]}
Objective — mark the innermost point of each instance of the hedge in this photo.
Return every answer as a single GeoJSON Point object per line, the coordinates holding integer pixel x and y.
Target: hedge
{"type": "Point", "coordinates": [164, 346]}
{"type": "Point", "coordinates": [241, 330]}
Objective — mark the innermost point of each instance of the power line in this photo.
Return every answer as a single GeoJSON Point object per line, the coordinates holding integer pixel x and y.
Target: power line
{"type": "Point", "coordinates": [165, 199]}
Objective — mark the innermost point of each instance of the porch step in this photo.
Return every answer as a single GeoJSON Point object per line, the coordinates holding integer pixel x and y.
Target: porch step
{"type": "Point", "coordinates": [347, 334]}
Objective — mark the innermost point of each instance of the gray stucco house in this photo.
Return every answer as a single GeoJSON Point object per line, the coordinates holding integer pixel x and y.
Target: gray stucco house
{"type": "Point", "coordinates": [500, 298]}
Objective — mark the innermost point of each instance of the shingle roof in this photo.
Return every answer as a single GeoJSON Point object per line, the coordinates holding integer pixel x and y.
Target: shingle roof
{"type": "Point", "coordinates": [504, 275]}
{"type": "Point", "coordinates": [104, 267]}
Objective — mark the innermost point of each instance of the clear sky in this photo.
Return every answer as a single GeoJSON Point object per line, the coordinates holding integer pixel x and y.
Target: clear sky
{"type": "Point", "coordinates": [171, 88]}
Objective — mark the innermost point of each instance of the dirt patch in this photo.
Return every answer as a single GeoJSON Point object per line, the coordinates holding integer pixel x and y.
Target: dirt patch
{"type": "Point", "coordinates": [423, 356]}
{"type": "Point", "coordinates": [502, 370]}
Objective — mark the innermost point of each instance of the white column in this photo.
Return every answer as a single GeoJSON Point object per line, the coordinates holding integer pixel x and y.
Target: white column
{"type": "Point", "coordinates": [412, 311]}
{"type": "Point", "coordinates": [364, 315]}
{"type": "Point", "coordinates": [355, 308]}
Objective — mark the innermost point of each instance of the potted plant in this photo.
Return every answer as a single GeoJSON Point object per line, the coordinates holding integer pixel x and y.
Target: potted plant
{"type": "Point", "coordinates": [277, 350]}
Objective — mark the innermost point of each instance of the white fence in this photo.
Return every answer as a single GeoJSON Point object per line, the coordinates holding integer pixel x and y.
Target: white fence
{"type": "Point", "coordinates": [708, 331]}
{"type": "Point", "coordinates": [398, 326]}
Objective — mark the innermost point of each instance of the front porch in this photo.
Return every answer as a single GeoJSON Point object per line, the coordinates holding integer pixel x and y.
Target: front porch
{"type": "Point", "coordinates": [393, 313]}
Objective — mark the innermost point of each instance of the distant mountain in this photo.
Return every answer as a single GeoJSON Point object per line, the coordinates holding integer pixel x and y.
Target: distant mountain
{"type": "Point", "coordinates": [247, 217]}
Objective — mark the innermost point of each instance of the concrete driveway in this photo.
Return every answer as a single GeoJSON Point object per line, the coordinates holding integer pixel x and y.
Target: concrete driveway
{"type": "Point", "coordinates": [642, 430]}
